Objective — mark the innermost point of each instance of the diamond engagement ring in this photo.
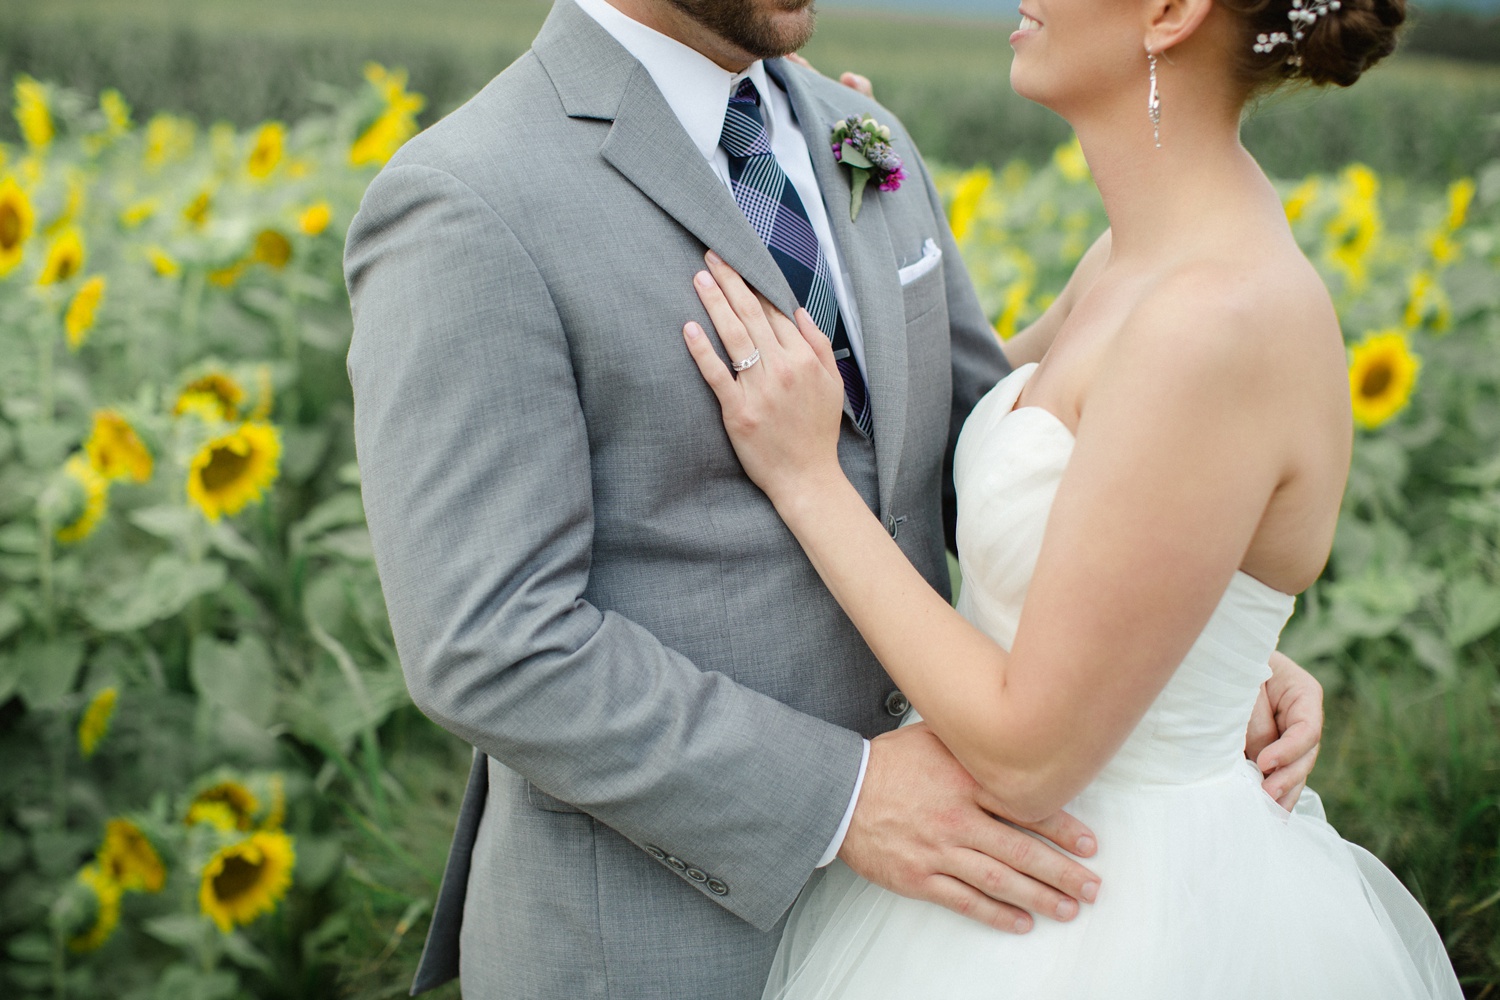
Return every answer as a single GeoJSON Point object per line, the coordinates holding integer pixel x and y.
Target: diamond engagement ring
{"type": "Point", "coordinates": [747, 364]}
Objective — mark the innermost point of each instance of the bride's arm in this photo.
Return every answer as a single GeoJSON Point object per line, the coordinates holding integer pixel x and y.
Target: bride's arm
{"type": "Point", "coordinates": [1032, 342]}
{"type": "Point", "coordinates": [1169, 477]}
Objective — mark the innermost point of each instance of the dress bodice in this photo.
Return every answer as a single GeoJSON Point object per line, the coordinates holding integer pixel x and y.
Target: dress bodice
{"type": "Point", "coordinates": [1008, 466]}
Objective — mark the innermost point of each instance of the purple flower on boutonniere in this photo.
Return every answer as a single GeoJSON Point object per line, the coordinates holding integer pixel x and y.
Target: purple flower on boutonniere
{"type": "Point", "coordinates": [864, 146]}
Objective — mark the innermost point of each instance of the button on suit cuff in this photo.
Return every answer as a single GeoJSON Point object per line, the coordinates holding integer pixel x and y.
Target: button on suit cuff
{"type": "Point", "coordinates": [843, 831]}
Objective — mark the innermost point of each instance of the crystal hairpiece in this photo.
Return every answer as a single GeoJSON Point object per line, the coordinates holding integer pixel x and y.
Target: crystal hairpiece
{"type": "Point", "coordinates": [1303, 15]}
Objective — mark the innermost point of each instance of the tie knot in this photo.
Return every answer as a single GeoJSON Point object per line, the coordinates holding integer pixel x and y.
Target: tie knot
{"type": "Point", "coordinates": [744, 133]}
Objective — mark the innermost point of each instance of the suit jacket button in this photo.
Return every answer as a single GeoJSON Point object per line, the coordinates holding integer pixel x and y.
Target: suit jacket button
{"type": "Point", "coordinates": [696, 875]}
{"type": "Point", "coordinates": [656, 852]}
{"type": "Point", "coordinates": [717, 888]}
{"type": "Point", "coordinates": [893, 526]}
{"type": "Point", "coordinates": [678, 865]}
{"type": "Point", "coordinates": [896, 704]}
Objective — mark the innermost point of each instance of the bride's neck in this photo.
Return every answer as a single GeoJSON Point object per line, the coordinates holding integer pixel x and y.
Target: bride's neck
{"type": "Point", "coordinates": [1166, 201]}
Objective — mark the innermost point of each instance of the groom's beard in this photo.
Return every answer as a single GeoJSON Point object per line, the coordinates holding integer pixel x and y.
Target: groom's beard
{"type": "Point", "coordinates": [764, 28]}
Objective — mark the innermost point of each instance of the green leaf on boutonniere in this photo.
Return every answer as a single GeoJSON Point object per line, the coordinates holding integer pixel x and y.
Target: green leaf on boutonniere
{"type": "Point", "coordinates": [854, 158]}
{"type": "Point", "coordinates": [857, 183]}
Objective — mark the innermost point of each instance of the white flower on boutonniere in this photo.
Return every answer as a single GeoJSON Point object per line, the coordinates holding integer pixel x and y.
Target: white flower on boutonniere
{"type": "Point", "coordinates": [864, 146]}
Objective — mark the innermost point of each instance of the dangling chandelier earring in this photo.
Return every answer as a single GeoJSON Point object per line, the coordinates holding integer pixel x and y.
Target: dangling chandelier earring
{"type": "Point", "coordinates": [1153, 103]}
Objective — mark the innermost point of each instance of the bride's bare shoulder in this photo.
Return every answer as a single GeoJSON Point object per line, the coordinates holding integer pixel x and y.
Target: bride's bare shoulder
{"type": "Point", "coordinates": [1242, 317]}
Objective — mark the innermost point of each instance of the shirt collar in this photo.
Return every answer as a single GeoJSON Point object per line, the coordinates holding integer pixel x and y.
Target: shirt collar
{"type": "Point", "coordinates": [695, 87]}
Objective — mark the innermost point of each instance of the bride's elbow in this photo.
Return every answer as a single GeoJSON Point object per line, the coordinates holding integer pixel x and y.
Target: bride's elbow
{"type": "Point", "coordinates": [1026, 795]}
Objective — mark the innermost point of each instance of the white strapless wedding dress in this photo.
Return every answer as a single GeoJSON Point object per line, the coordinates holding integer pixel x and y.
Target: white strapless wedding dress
{"type": "Point", "coordinates": [1210, 889]}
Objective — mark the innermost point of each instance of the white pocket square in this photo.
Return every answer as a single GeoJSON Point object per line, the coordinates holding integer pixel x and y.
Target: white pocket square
{"type": "Point", "coordinates": [931, 254]}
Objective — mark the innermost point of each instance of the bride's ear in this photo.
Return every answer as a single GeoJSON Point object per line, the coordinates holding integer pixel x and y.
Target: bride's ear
{"type": "Point", "coordinates": [1172, 22]}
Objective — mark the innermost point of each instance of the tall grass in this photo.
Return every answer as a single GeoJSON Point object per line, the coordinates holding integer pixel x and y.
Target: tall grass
{"type": "Point", "coordinates": [1417, 117]}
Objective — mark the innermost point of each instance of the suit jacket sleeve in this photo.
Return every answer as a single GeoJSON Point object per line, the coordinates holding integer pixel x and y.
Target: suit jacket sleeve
{"type": "Point", "coordinates": [474, 456]}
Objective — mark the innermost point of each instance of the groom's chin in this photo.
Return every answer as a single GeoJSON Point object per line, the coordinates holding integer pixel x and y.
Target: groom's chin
{"type": "Point", "coordinates": [763, 28]}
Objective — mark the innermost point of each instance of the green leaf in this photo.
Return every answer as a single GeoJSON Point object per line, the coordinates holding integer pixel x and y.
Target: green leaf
{"type": "Point", "coordinates": [180, 930]}
{"type": "Point", "coordinates": [857, 192]}
{"type": "Point", "coordinates": [1472, 611]}
{"type": "Point", "coordinates": [11, 619]}
{"type": "Point", "coordinates": [184, 982]}
{"type": "Point", "coordinates": [30, 948]}
{"type": "Point", "coordinates": [44, 446]}
{"type": "Point", "coordinates": [231, 544]}
{"type": "Point", "coordinates": [169, 585]}
{"type": "Point", "coordinates": [169, 521]}
{"type": "Point", "coordinates": [19, 538]}
{"type": "Point", "coordinates": [244, 954]}
{"type": "Point", "coordinates": [49, 669]}
{"type": "Point", "coordinates": [239, 677]}
{"type": "Point", "coordinates": [352, 544]}
{"type": "Point", "coordinates": [852, 157]}
{"type": "Point", "coordinates": [338, 511]}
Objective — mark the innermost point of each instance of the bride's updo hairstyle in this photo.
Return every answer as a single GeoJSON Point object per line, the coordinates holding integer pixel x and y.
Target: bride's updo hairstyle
{"type": "Point", "coordinates": [1346, 38]}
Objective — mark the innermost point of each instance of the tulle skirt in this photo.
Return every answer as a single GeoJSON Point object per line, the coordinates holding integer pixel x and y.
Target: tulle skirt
{"type": "Point", "coordinates": [1210, 890]}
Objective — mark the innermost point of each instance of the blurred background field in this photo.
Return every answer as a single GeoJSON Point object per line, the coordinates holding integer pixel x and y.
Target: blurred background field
{"type": "Point", "coordinates": [1424, 114]}
{"type": "Point", "coordinates": [214, 784]}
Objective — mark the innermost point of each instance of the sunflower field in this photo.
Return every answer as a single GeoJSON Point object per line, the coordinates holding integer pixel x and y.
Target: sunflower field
{"type": "Point", "coordinates": [215, 786]}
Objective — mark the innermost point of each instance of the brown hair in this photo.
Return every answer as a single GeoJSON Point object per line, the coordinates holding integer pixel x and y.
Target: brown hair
{"type": "Point", "coordinates": [1336, 49]}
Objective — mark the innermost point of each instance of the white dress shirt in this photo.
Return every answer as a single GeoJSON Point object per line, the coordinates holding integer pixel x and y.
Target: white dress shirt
{"type": "Point", "coordinates": [698, 90]}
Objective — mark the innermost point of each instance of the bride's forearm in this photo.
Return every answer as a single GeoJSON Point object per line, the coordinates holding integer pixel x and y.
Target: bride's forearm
{"type": "Point", "coordinates": [953, 673]}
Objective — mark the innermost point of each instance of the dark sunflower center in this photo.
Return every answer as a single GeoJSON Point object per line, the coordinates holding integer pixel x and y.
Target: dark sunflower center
{"type": "Point", "coordinates": [237, 877]}
{"type": "Point", "coordinates": [67, 266]}
{"type": "Point", "coordinates": [10, 226]}
{"type": "Point", "coordinates": [224, 468]}
{"type": "Point", "coordinates": [1377, 380]}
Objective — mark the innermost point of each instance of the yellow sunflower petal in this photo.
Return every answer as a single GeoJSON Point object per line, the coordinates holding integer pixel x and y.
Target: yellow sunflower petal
{"type": "Point", "coordinates": [1382, 376]}
{"type": "Point", "coordinates": [94, 725]}
{"type": "Point", "coordinates": [234, 470]}
{"type": "Point", "coordinates": [130, 859]}
{"type": "Point", "coordinates": [17, 219]}
{"type": "Point", "coordinates": [106, 893]}
{"type": "Point", "coordinates": [83, 310]}
{"type": "Point", "coordinates": [93, 500]}
{"type": "Point", "coordinates": [115, 450]}
{"type": "Point", "coordinates": [65, 257]}
{"type": "Point", "coordinates": [247, 879]}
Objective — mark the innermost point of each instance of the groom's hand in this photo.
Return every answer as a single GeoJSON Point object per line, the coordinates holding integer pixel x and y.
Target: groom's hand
{"type": "Point", "coordinates": [1286, 729]}
{"type": "Point", "coordinates": [923, 828]}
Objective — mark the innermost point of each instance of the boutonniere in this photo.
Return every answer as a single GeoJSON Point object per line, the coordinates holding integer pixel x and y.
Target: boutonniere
{"type": "Point", "coordinates": [864, 146]}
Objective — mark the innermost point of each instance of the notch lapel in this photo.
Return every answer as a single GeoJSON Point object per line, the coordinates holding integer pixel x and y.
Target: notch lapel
{"type": "Point", "coordinates": [870, 263]}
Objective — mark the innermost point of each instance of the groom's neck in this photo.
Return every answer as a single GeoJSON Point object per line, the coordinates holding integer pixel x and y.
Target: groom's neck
{"type": "Point", "coordinates": [672, 21]}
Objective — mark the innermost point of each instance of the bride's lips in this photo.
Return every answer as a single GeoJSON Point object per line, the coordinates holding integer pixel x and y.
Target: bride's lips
{"type": "Point", "coordinates": [1029, 26]}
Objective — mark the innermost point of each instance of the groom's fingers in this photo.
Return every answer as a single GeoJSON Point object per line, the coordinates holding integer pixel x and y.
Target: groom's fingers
{"type": "Point", "coordinates": [1044, 868]}
{"type": "Point", "coordinates": [962, 898]}
{"type": "Point", "coordinates": [1060, 828]}
{"type": "Point", "coordinates": [1006, 885]}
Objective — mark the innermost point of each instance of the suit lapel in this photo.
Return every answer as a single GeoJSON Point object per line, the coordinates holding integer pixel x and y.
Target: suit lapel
{"type": "Point", "coordinates": [870, 264]}
{"type": "Point", "coordinates": [596, 78]}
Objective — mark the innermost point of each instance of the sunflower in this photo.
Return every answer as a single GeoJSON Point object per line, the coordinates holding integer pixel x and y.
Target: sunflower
{"type": "Point", "coordinates": [1301, 199]}
{"type": "Point", "coordinates": [1070, 161]}
{"type": "Point", "coordinates": [33, 113]}
{"type": "Point", "coordinates": [106, 909]}
{"type": "Point", "coordinates": [246, 879]}
{"type": "Point", "coordinates": [1427, 303]}
{"type": "Point", "coordinates": [227, 805]}
{"type": "Point", "coordinates": [1355, 230]}
{"type": "Point", "coordinates": [234, 469]}
{"type": "Point", "coordinates": [128, 858]}
{"type": "Point", "coordinates": [1382, 374]}
{"type": "Point", "coordinates": [966, 198]}
{"type": "Point", "coordinates": [267, 150]}
{"type": "Point", "coordinates": [397, 123]}
{"type": "Point", "coordinates": [217, 388]}
{"type": "Point", "coordinates": [271, 249]}
{"type": "Point", "coordinates": [197, 210]}
{"type": "Point", "coordinates": [65, 257]}
{"type": "Point", "coordinates": [115, 450]}
{"type": "Point", "coordinates": [315, 218]}
{"type": "Point", "coordinates": [79, 319]}
{"type": "Point", "coordinates": [91, 491]}
{"type": "Point", "coordinates": [116, 113]}
{"type": "Point", "coordinates": [162, 262]}
{"type": "Point", "coordinates": [16, 222]}
{"type": "Point", "coordinates": [168, 138]}
{"type": "Point", "coordinates": [94, 725]}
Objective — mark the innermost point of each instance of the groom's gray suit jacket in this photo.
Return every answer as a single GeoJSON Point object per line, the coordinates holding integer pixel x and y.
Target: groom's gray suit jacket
{"type": "Point", "coordinates": [665, 702]}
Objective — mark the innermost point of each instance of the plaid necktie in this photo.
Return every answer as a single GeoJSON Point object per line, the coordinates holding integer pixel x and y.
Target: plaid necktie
{"type": "Point", "coordinates": [770, 202]}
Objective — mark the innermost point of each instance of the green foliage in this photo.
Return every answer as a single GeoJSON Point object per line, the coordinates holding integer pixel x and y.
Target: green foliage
{"type": "Point", "coordinates": [178, 618]}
